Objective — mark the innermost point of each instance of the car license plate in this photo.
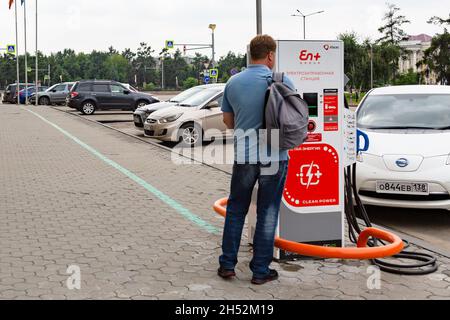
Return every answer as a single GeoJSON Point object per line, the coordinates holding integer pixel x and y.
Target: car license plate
{"type": "Point", "coordinates": [403, 187]}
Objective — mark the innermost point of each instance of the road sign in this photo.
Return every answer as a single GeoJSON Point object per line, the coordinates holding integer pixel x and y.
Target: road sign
{"type": "Point", "coordinates": [29, 69]}
{"type": "Point", "coordinates": [46, 77]}
{"type": "Point", "coordinates": [11, 49]}
{"type": "Point", "coordinates": [234, 71]}
{"type": "Point", "coordinates": [170, 44]}
{"type": "Point", "coordinates": [214, 73]}
{"type": "Point", "coordinates": [206, 79]}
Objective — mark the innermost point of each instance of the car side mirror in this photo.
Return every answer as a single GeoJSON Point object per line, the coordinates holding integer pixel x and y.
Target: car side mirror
{"type": "Point", "coordinates": [212, 105]}
{"type": "Point", "coordinates": [126, 91]}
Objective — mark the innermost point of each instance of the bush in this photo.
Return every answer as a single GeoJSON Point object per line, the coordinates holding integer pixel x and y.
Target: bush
{"type": "Point", "coordinates": [149, 86]}
{"type": "Point", "coordinates": [189, 83]}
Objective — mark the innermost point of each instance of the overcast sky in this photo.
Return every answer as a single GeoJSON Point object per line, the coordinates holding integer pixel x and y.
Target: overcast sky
{"type": "Point", "coordinates": [84, 25]}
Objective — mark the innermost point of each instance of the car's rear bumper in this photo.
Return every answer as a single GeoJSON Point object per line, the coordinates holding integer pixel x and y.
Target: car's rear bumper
{"type": "Point", "coordinates": [74, 104]}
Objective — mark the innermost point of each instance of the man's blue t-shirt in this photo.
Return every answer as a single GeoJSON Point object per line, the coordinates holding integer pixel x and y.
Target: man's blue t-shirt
{"type": "Point", "coordinates": [245, 97]}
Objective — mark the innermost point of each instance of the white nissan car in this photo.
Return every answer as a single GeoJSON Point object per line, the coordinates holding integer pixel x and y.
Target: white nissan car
{"type": "Point", "coordinates": [408, 161]}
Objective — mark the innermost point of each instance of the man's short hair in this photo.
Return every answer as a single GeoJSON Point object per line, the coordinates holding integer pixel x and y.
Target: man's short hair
{"type": "Point", "coordinates": [261, 46]}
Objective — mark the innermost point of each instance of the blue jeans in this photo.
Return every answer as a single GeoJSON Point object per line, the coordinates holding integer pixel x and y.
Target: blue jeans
{"type": "Point", "coordinates": [270, 191]}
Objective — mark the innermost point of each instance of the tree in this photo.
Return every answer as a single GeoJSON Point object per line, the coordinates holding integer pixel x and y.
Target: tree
{"type": "Point", "coordinates": [392, 30]}
{"type": "Point", "coordinates": [439, 21]}
{"type": "Point", "coordinates": [437, 57]}
{"type": "Point", "coordinates": [117, 68]}
{"type": "Point", "coordinates": [356, 61]}
{"type": "Point", "coordinates": [393, 34]}
{"type": "Point", "coordinates": [229, 62]}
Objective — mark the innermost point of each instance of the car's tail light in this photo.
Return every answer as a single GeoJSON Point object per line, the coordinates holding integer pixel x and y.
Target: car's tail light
{"type": "Point", "coordinates": [73, 94]}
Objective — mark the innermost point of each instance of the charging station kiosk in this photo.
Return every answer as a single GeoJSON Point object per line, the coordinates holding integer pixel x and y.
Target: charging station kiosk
{"type": "Point", "coordinates": [312, 209]}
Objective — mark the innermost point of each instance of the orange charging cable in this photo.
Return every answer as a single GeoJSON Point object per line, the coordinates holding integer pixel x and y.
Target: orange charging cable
{"type": "Point", "coordinates": [361, 252]}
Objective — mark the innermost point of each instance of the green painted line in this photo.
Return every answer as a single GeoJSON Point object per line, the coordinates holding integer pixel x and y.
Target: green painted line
{"type": "Point", "coordinates": [161, 195]}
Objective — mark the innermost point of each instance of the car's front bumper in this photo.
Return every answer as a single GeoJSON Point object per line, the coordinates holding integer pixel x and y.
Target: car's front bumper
{"type": "Point", "coordinates": [139, 118]}
{"type": "Point", "coordinates": [164, 132]}
{"type": "Point", "coordinates": [433, 171]}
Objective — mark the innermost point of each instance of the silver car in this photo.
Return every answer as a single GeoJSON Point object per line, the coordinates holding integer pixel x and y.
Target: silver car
{"type": "Point", "coordinates": [197, 119]}
{"type": "Point", "coordinates": [141, 114]}
{"type": "Point", "coordinates": [56, 94]}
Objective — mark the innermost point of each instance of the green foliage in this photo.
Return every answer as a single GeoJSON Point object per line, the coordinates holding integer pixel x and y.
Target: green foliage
{"type": "Point", "coordinates": [437, 57]}
{"type": "Point", "coordinates": [229, 62]}
{"type": "Point", "coordinates": [408, 78]}
{"type": "Point", "coordinates": [149, 86]}
{"type": "Point", "coordinates": [190, 82]}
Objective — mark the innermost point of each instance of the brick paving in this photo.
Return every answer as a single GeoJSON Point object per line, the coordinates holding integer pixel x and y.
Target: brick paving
{"type": "Point", "coordinates": [61, 205]}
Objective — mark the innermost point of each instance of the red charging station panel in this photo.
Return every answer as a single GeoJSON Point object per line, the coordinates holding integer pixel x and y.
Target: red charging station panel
{"type": "Point", "coordinates": [313, 176]}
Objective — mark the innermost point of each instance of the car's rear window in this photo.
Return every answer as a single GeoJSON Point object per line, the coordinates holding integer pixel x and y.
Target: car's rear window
{"type": "Point", "coordinates": [405, 110]}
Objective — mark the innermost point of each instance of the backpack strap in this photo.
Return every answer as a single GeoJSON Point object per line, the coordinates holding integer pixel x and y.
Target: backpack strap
{"type": "Point", "coordinates": [278, 77]}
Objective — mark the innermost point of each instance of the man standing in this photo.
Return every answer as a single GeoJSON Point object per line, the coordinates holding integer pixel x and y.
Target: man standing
{"type": "Point", "coordinates": [243, 110]}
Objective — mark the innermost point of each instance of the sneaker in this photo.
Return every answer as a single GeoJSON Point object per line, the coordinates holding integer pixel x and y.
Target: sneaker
{"type": "Point", "coordinates": [273, 275]}
{"type": "Point", "coordinates": [226, 274]}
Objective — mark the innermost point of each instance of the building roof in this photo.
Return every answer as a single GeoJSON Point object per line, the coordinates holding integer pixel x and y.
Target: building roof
{"type": "Point", "coordinates": [420, 37]}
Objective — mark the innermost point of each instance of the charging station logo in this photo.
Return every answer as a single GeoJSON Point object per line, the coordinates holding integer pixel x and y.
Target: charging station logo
{"type": "Point", "coordinates": [313, 176]}
{"type": "Point", "coordinates": [310, 175]}
{"type": "Point", "coordinates": [306, 56]}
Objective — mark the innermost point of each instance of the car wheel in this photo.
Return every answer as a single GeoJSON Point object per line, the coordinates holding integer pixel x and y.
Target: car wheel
{"type": "Point", "coordinates": [88, 108]}
{"type": "Point", "coordinates": [191, 135]}
{"type": "Point", "coordinates": [141, 103]}
{"type": "Point", "coordinates": [44, 101]}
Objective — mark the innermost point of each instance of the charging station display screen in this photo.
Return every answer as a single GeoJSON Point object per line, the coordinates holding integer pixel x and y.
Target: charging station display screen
{"type": "Point", "coordinates": [312, 99]}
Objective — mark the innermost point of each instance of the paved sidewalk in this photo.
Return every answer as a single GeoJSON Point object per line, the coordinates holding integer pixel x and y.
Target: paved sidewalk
{"type": "Point", "coordinates": [137, 225]}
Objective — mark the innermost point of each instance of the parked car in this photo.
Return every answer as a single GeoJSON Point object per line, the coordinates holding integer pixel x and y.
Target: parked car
{"type": "Point", "coordinates": [56, 94]}
{"type": "Point", "coordinates": [141, 114]}
{"type": "Point", "coordinates": [89, 96]}
{"type": "Point", "coordinates": [10, 94]}
{"type": "Point", "coordinates": [189, 121]}
{"type": "Point", "coordinates": [408, 161]}
{"type": "Point", "coordinates": [24, 93]}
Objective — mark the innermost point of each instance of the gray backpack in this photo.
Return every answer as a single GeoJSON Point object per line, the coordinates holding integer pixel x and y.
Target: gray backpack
{"type": "Point", "coordinates": [287, 112]}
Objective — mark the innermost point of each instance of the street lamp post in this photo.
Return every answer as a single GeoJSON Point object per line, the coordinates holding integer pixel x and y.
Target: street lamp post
{"type": "Point", "coordinates": [304, 16]}
{"type": "Point", "coordinates": [213, 28]}
{"type": "Point", "coordinates": [258, 17]}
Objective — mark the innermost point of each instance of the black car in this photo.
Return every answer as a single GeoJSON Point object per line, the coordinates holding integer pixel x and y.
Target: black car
{"type": "Point", "coordinates": [10, 95]}
{"type": "Point", "coordinates": [88, 96]}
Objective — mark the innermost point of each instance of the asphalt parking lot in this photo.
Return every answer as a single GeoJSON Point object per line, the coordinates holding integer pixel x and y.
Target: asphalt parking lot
{"type": "Point", "coordinates": [430, 226]}
{"type": "Point", "coordinates": [139, 226]}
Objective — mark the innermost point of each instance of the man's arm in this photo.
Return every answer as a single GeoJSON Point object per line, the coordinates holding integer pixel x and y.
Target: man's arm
{"type": "Point", "coordinates": [227, 109]}
{"type": "Point", "coordinates": [228, 119]}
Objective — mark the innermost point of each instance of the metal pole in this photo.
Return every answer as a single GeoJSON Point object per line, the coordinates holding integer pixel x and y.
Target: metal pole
{"type": "Point", "coordinates": [49, 77]}
{"type": "Point", "coordinates": [17, 58]}
{"type": "Point", "coordinates": [371, 66]}
{"type": "Point", "coordinates": [26, 62]}
{"type": "Point", "coordinates": [213, 49]}
{"type": "Point", "coordinates": [304, 28]}
{"type": "Point", "coordinates": [162, 73]}
{"type": "Point", "coordinates": [258, 16]}
{"type": "Point", "coordinates": [37, 59]}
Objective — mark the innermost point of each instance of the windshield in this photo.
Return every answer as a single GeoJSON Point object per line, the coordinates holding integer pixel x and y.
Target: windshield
{"type": "Point", "coordinates": [51, 88]}
{"type": "Point", "coordinates": [200, 98]}
{"type": "Point", "coordinates": [186, 94]}
{"type": "Point", "coordinates": [405, 111]}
